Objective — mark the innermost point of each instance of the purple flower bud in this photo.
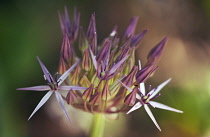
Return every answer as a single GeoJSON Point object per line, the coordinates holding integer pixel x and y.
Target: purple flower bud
{"type": "Point", "coordinates": [104, 52]}
{"type": "Point", "coordinates": [131, 28]}
{"type": "Point", "coordinates": [143, 74]}
{"type": "Point", "coordinates": [137, 38]}
{"type": "Point", "coordinates": [131, 97]}
{"type": "Point", "coordinates": [66, 55]}
{"type": "Point", "coordinates": [128, 80]}
{"type": "Point", "coordinates": [156, 52]}
{"type": "Point", "coordinates": [71, 29]}
{"type": "Point", "coordinates": [92, 35]}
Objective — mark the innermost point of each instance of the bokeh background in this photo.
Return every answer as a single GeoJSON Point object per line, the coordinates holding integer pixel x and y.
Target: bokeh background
{"type": "Point", "coordinates": [30, 28]}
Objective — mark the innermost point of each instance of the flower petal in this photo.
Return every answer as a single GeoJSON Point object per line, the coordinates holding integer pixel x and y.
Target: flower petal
{"type": "Point", "coordinates": [36, 88]}
{"type": "Point", "coordinates": [162, 106]}
{"type": "Point", "coordinates": [129, 89]}
{"type": "Point", "coordinates": [142, 88]}
{"type": "Point", "coordinates": [41, 103]}
{"type": "Point", "coordinates": [93, 59]}
{"type": "Point", "coordinates": [158, 88]}
{"type": "Point", "coordinates": [71, 87]}
{"type": "Point", "coordinates": [64, 76]}
{"type": "Point", "coordinates": [47, 74]}
{"type": "Point", "coordinates": [138, 96]}
{"type": "Point", "coordinates": [139, 64]}
{"type": "Point", "coordinates": [117, 65]}
{"type": "Point", "coordinates": [151, 116]}
{"type": "Point", "coordinates": [60, 101]}
{"type": "Point", "coordinates": [135, 107]}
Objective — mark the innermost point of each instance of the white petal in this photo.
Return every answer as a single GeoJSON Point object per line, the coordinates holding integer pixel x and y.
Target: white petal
{"type": "Point", "coordinates": [60, 101]}
{"type": "Point", "coordinates": [135, 107]}
{"type": "Point", "coordinates": [36, 88]}
{"type": "Point", "coordinates": [93, 59]}
{"type": "Point", "coordinates": [151, 116]}
{"type": "Point", "coordinates": [71, 87]}
{"type": "Point", "coordinates": [126, 86]}
{"type": "Point", "coordinates": [65, 75]}
{"type": "Point", "coordinates": [41, 103]}
{"type": "Point", "coordinates": [162, 106]}
{"type": "Point", "coordinates": [138, 96]}
{"type": "Point", "coordinates": [139, 64]}
{"type": "Point", "coordinates": [142, 88]}
{"type": "Point", "coordinates": [158, 88]}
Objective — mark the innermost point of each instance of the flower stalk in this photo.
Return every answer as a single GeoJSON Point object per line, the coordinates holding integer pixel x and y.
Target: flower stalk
{"type": "Point", "coordinates": [98, 125]}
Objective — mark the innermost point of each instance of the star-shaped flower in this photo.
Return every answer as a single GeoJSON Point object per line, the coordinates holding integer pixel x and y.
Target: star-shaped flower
{"type": "Point", "coordinates": [145, 99]}
{"type": "Point", "coordinates": [54, 85]}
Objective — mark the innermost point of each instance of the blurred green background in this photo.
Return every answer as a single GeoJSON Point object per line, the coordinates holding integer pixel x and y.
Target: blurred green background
{"type": "Point", "coordinates": [31, 28]}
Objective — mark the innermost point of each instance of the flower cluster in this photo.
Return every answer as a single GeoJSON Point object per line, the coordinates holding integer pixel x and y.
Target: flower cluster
{"type": "Point", "coordinates": [104, 78]}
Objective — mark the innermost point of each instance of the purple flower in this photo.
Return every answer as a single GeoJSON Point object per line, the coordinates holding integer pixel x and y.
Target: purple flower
{"type": "Point", "coordinates": [145, 99]}
{"type": "Point", "coordinates": [54, 85]}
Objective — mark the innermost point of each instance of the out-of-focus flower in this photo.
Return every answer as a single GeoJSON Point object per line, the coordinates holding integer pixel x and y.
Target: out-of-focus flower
{"type": "Point", "coordinates": [54, 85]}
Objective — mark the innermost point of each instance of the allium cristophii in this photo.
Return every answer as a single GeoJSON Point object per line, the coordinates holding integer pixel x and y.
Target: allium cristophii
{"type": "Point", "coordinates": [106, 80]}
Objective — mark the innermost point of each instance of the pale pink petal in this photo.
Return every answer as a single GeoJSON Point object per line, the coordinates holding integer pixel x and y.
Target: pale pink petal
{"type": "Point", "coordinates": [41, 103]}
{"type": "Point", "coordinates": [47, 74]}
{"type": "Point", "coordinates": [94, 60]}
{"type": "Point", "coordinates": [117, 65]}
{"type": "Point", "coordinates": [129, 89]}
{"type": "Point", "coordinates": [71, 87]}
{"type": "Point", "coordinates": [162, 106]}
{"type": "Point", "coordinates": [36, 88]}
{"type": "Point", "coordinates": [135, 107]}
{"type": "Point", "coordinates": [158, 88]}
{"type": "Point", "coordinates": [60, 101]}
{"type": "Point", "coordinates": [151, 116]}
{"type": "Point", "coordinates": [65, 75]}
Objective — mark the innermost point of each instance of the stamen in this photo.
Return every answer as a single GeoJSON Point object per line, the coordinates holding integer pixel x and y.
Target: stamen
{"type": "Point", "coordinates": [149, 88]}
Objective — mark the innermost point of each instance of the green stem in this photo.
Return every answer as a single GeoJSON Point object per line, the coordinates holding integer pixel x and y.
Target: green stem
{"type": "Point", "coordinates": [98, 125]}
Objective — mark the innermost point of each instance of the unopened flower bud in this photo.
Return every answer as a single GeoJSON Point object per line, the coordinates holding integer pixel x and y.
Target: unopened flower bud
{"type": "Point", "coordinates": [86, 61]}
{"type": "Point", "coordinates": [106, 92]}
{"type": "Point", "coordinates": [75, 77]}
{"type": "Point", "coordinates": [71, 97]}
{"type": "Point", "coordinates": [156, 52]}
{"type": "Point", "coordinates": [131, 28]}
{"type": "Point", "coordinates": [143, 74]}
{"type": "Point", "coordinates": [128, 80]}
{"type": "Point", "coordinates": [130, 99]}
{"type": "Point", "coordinates": [88, 93]}
{"type": "Point", "coordinates": [94, 100]}
{"type": "Point", "coordinates": [84, 81]}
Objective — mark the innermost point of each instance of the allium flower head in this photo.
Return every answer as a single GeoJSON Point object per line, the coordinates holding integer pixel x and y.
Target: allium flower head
{"type": "Point", "coordinates": [106, 80]}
